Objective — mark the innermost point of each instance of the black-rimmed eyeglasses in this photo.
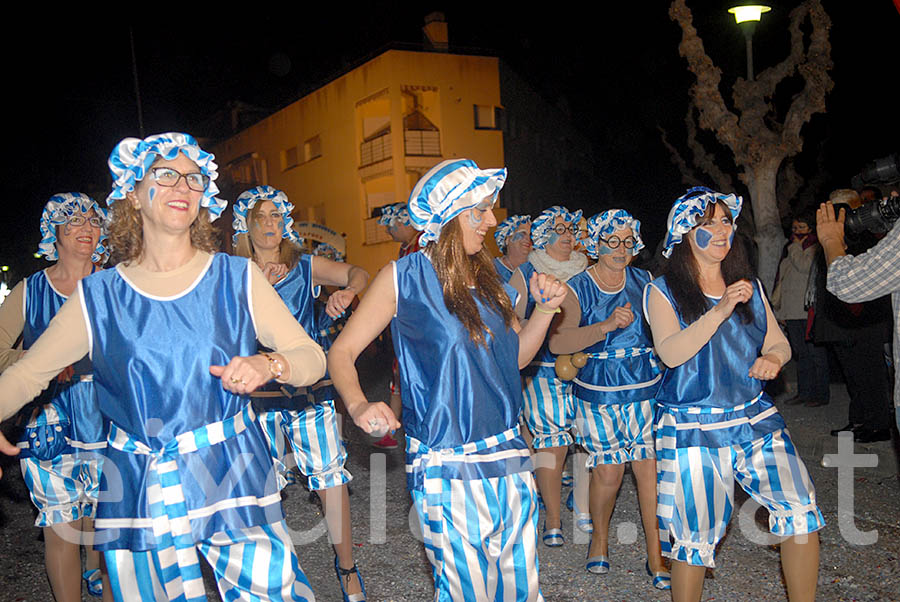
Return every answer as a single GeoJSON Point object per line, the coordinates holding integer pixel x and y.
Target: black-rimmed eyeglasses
{"type": "Point", "coordinates": [168, 177]}
{"type": "Point", "coordinates": [613, 242]}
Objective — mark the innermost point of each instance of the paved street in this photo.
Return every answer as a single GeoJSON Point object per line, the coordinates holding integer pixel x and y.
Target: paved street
{"type": "Point", "coordinates": [394, 566]}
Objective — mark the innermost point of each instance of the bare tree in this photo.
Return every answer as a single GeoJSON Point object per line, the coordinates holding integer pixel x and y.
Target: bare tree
{"type": "Point", "coordinates": [758, 137]}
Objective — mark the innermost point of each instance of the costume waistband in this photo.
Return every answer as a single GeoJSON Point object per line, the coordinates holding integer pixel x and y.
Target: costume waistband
{"type": "Point", "coordinates": [291, 392]}
{"type": "Point", "coordinates": [675, 409]}
{"type": "Point", "coordinates": [620, 353]}
{"type": "Point", "coordinates": [423, 457]}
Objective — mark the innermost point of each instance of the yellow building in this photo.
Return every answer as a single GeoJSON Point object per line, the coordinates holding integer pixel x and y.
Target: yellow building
{"type": "Point", "coordinates": [363, 140]}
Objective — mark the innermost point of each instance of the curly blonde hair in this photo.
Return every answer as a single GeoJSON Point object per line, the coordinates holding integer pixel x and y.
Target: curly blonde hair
{"type": "Point", "coordinates": [457, 270]}
{"type": "Point", "coordinates": [126, 232]}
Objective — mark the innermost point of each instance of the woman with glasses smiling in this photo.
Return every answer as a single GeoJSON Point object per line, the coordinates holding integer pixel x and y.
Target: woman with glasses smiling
{"type": "Point", "coordinates": [173, 333]}
{"type": "Point", "coordinates": [614, 389]}
{"type": "Point", "coordinates": [549, 404]}
{"type": "Point", "coordinates": [58, 458]}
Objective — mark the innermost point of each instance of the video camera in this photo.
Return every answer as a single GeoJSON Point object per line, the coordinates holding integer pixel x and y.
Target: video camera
{"type": "Point", "coordinates": [879, 216]}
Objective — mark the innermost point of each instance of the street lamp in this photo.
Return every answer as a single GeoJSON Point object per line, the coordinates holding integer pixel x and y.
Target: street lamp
{"type": "Point", "coordinates": [747, 16]}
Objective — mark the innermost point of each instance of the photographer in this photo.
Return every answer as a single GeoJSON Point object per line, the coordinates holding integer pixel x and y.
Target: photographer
{"type": "Point", "coordinates": [865, 277]}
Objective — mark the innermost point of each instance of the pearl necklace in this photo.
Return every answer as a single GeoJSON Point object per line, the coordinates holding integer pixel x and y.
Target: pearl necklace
{"type": "Point", "coordinates": [604, 283]}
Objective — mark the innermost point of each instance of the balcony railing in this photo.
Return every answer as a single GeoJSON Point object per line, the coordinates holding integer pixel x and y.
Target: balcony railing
{"type": "Point", "coordinates": [375, 150]}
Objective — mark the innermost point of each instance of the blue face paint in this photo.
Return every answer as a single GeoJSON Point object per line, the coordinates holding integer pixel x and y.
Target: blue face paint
{"type": "Point", "coordinates": [702, 237]}
{"type": "Point", "coordinates": [151, 194]}
{"type": "Point", "coordinates": [476, 216]}
{"type": "Point", "coordinates": [552, 238]}
{"type": "Point", "coordinates": [604, 250]}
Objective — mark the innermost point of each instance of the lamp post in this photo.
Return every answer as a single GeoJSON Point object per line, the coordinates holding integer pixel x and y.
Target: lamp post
{"type": "Point", "coordinates": [747, 16]}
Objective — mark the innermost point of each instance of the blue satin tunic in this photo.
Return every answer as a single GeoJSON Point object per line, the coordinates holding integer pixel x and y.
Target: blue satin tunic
{"type": "Point", "coordinates": [299, 294]}
{"type": "Point", "coordinates": [42, 302]}
{"type": "Point", "coordinates": [454, 391]}
{"type": "Point", "coordinates": [151, 360]}
{"type": "Point", "coordinates": [717, 379]}
{"type": "Point", "coordinates": [616, 379]}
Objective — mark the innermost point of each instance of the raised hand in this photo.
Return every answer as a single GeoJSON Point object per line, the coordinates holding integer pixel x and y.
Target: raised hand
{"type": "Point", "coordinates": [274, 272]}
{"type": "Point", "coordinates": [620, 318]}
{"type": "Point", "coordinates": [736, 292]}
{"type": "Point", "coordinates": [547, 291]}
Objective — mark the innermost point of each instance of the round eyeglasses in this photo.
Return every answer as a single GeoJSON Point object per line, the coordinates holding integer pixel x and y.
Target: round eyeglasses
{"type": "Point", "coordinates": [79, 220]}
{"type": "Point", "coordinates": [613, 242]}
{"type": "Point", "coordinates": [562, 229]}
{"type": "Point", "coordinates": [168, 177]}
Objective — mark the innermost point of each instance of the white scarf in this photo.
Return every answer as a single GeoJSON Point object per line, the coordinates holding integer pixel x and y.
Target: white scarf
{"type": "Point", "coordinates": [562, 270]}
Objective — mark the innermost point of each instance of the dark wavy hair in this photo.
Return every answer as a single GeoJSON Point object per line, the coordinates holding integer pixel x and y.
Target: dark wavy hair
{"type": "Point", "coordinates": [456, 270]}
{"type": "Point", "coordinates": [682, 276]}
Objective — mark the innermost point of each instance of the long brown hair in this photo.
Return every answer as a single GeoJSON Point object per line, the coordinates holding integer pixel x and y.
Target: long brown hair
{"type": "Point", "coordinates": [288, 251]}
{"type": "Point", "coordinates": [126, 232]}
{"type": "Point", "coordinates": [457, 270]}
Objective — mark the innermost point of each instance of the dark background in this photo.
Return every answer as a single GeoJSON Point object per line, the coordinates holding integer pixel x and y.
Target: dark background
{"type": "Point", "coordinates": [614, 66]}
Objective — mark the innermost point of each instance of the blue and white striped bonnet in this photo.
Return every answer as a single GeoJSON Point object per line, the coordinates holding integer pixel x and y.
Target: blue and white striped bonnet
{"type": "Point", "coordinates": [57, 212]}
{"type": "Point", "coordinates": [688, 209]}
{"type": "Point", "coordinates": [507, 227]}
{"type": "Point", "coordinates": [132, 158]}
{"type": "Point", "coordinates": [604, 225]}
{"type": "Point", "coordinates": [396, 214]}
{"type": "Point", "coordinates": [542, 227]}
{"type": "Point", "coordinates": [323, 249]}
{"type": "Point", "coordinates": [448, 189]}
{"type": "Point", "coordinates": [249, 198]}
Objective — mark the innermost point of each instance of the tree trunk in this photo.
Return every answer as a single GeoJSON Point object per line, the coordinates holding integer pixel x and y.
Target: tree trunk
{"type": "Point", "coordinates": [760, 179]}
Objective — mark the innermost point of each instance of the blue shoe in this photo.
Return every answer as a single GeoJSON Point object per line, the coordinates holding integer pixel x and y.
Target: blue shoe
{"type": "Point", "coordinates": [582, 519]}
{"type": "Point", "coordinates": [93, 581]}
{"type": "Point", "coordinates": [342, 574]}
{"type": "Point", "coordinates": [553, 538]}
{"type": "Point", "coordinates": [661, 580]}
{"type": "Point", "coordinates": [599, 565]}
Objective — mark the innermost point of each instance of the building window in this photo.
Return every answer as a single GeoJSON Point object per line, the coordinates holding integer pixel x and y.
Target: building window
{"type": "Point", "coordinates": [420, 136]}
{"type": "Point", "coordinates": [488, 117]}
{"type": "Point", "coordinates": [289, 158]}
{"type": "Point", "coordinates": [312, 148]}
{"type": "Point", "coordinates": [376, 148]}
{"type": "Point", "coordinates": [247, 170]}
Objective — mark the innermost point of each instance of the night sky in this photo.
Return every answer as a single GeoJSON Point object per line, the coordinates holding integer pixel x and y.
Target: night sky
{"type": "Point", "coordinates": [71, 87]}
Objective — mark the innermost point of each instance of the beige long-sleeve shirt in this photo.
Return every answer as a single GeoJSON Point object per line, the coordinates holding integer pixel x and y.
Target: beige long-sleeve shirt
{"type": "Point", "coordinates": [66, 339]}
{"type": "Point", "coordinates": [12, 323]}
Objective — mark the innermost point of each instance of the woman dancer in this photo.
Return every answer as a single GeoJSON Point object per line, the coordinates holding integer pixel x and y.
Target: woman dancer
{"type": "Point", "coordinates": [460, 347]}
{"type": "Point", "coordinates": [549, 403]}
{"type": "Point", "coordinates": [59, 457]}
{"type": "Point", "coordinates": [172, 333]}
{"type": "Point", "coordinates": [713, 328]}
{"type": "Point", "coordinates": [614, 391]}
{"type": "Point", "coordinates": [263, 231]}
{"type": "Point", "coordinates": [513, 237]}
